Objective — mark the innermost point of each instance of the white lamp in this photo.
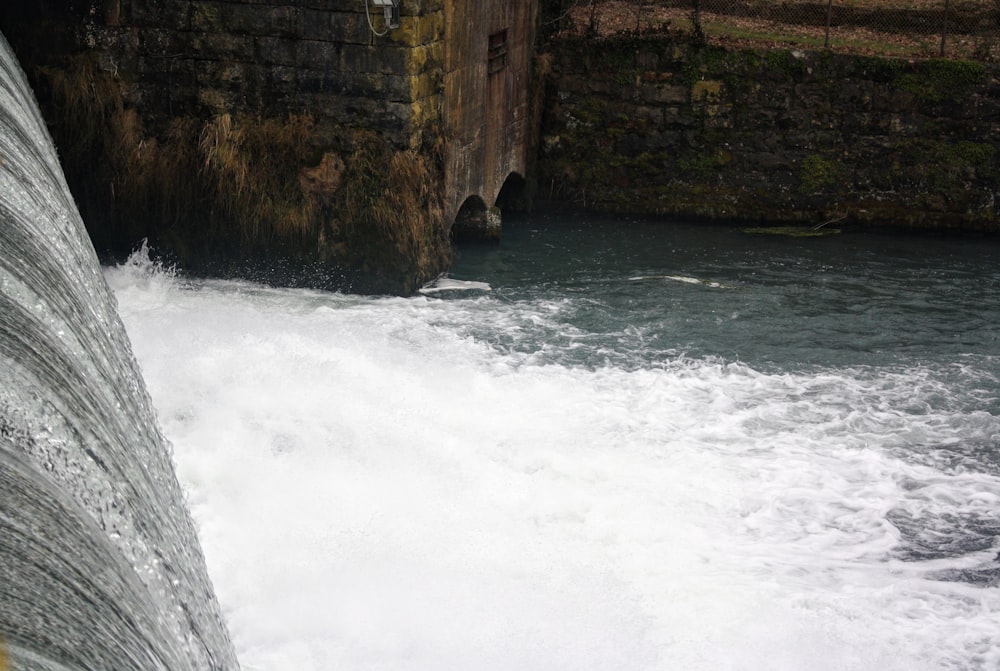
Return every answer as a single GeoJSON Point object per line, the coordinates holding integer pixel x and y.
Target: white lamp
{"type": "Point", "coordinates": [391, 9]}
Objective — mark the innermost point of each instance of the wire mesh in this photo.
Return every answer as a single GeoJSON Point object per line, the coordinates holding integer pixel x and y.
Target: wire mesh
{"type": "Point", "coordinates": [959, 29]}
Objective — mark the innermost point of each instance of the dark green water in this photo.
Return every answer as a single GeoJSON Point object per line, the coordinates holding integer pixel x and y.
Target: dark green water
{"type": "Point", "coordinates": [774, 302]}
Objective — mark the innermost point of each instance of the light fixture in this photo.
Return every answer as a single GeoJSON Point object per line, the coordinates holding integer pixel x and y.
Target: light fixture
{"type": "Point", "coordinates": [391, 9]}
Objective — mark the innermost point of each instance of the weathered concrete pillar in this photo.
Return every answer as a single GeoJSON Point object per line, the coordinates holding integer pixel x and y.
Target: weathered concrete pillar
{"type": "Point", "coordinates": [477, 223]}
{"type": "Point", "coordinates": [487, 94]}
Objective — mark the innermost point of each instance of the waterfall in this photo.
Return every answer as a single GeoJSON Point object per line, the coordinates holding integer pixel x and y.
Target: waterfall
{"type": "Point", "coordinates": [100, 564]}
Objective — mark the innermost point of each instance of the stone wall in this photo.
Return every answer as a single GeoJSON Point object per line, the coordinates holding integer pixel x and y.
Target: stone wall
{"type": "Point", "coordinates": [240, 135]}
{"type": "Point", "coordinates": [665, 127]}
{"type": "Point", "coordinates": [286, 140]}
{"type": "Point", "coordinates": [273, 58]}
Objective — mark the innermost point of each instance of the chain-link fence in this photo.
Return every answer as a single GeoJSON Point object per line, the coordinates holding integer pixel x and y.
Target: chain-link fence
{"type": "Point", "coordinates": [967, 29]}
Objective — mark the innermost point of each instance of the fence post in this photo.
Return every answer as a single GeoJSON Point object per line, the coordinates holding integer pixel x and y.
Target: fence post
{"type": "Point", "coordinates": [699, 34]}
{"type": "Point", "coordinates": [944, 25]}
{"type": "Point", "coordinates": [829, 14]}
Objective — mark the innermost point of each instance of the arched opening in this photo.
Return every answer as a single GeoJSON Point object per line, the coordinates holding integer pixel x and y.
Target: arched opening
{"type": "Point", "coordinates": [475, 222]}
{"type": "Point", "coordinates": [513, 196]}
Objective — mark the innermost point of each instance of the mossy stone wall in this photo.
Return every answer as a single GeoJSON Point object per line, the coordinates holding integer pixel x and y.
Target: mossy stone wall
{"type": "Point", "coordinates": [276, 57]}
{"type": "Point", "coordinates": [667, 127]}
{"type": "Point", "coordinates": [235, 134]}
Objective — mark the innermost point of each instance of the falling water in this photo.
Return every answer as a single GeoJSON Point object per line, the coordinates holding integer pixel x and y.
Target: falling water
{"type": "Point", "coordinates": [100, 565]}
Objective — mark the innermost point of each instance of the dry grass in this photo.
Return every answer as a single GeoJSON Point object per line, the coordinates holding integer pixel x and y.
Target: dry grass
{"type": "Point", "coordinates": [86, 98]}
{"type": "Point", "coordinates": [209, 188]}
{"type": "Point", "coordinates": [235, 173]}
{"type": "Point", "coordinates": [902, 28]}
{"type": "Point", "coordinates": [391, 209]}
{"type": "Point", "coordinates": [252, 167]}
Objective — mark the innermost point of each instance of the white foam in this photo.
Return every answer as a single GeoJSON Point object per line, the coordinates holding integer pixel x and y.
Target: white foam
{"type": "Point", "coordinates": [685, 279]}
{"type": "Point", "coordinates": [377, 489]}
{"type": "Point", "coordinates": [450, 284]}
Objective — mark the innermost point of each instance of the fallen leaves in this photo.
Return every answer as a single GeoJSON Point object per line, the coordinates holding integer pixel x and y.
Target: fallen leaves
{"type": "Point", "coordinates": [902, 28]}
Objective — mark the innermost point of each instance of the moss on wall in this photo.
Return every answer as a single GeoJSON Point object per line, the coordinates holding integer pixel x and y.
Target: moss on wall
{"type": "Point", "coordinates": [819, 174]}
{"type": "Point", "coordinates": [771, 136]}
{"type": "Point", "coordinates": [939, 80]}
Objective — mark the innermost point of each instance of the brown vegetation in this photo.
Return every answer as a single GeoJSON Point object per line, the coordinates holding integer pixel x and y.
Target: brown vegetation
{"type": "Point", "coordinates": [391, 210]}
{"type": "Point", "coordinates": [253, 166]}
{"type": "Point", "coordinates": [244, 170]}
{"type": "Point", "coordinates": [904, 28]}
{"type": "Point", "coordinates": [213, 187]}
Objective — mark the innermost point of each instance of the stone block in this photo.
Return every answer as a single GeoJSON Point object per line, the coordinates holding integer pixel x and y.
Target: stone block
{"type": "Point", "coordinates": [214, 100]}
{"type": "Point", "coordinates": [425, 58]}
{"type": "Point", "coordinates": [345, 110]}
{"type": "Point", "coordinates": [382, 58]}
{"type": "Point", "coordinates": [665, 93]}
{"type": "Point", "coordinates": [320, 55]}
{"type": "Point", "coordinates": [647, 60]}
{"type": "Point", "coordinates": [275, 51]}
{"type": "Point", "coordinates": [205, 16]}
{"type": "Point", "coordinates": [707, 90]}
{"type": "Point", "coordinates": [345, 85]}
{"type": "Point", "coordinates": [248, 19]}
{"type": "Point", "coordinates": [576, 87]}
{"type": "Point", "coordinates": [424, 86]}
{"type": "Point", "coordinates": [426, 110]}
{"type": "Point", "coordinates": [398, 88]}
{"type": "Point", "coordinates": [159, 42]}
{"type": "Point", "coordinates": [283, 77]}
{"type": "Point", "coordinates": [231, 74]}
{"type": "Point", "coordinates": [648, 115]}
{"type": "Point", "coordinates": [328, 26]}
{"type": "Point", "coordinates": [418, 30]}
{"type": "Point", "coordinates": [163, 14]}
{"type": "Point", "coordinates": [679, 117]}
{"type": "Point", "coordinates": [422, 6]}
{"type": "Point", "coordinates": [222, 46]}
{"type": "Point", "coordinates": [221, 75]}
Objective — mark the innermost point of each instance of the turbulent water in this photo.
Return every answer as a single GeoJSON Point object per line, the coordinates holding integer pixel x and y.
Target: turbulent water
{"type": "Point", "coordinates": [600, 445]}
{"type": "Point", "coordinates": [100, 567]}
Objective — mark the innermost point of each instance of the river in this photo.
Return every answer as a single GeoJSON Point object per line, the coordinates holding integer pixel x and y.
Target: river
{"type": "Point", "coordinates": [602, 444]}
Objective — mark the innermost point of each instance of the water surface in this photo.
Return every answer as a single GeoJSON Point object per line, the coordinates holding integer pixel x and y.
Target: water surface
{"type": "Point", "coordinates": [600, 445]}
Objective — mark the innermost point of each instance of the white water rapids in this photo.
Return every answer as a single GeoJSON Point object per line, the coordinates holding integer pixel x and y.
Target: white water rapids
{"type": "Point", "coordinates": [377, 489]}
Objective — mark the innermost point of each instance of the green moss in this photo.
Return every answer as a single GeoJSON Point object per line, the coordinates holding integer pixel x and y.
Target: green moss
{"type": "Point", "coordinates": [619, 60]}
{"type": "Point", "coordinates": [705, 63]}
{"type": "Point", "coordinates": [941, 168]}
{"type": "Point", "coordinates": [942, 80]}
{"type": "Point", "coordinates": [792, 231]}
{"type": "Point", "coordinates": [783, 61]}
{"type": "Point", "coordinates": [590, 110]}
{"type": "Point", "coordinates": [880, 69]}
{"type": "Point", "coordinates": [701, 167]}
{"type": "Point", "coordinates": [627, 77]}
{"type": "Point", "coordinates": [977, 155]}
{"type": "Point", "coordinates": [708, 90]}
{"type": "Point", "coordinates": [817, 174]}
